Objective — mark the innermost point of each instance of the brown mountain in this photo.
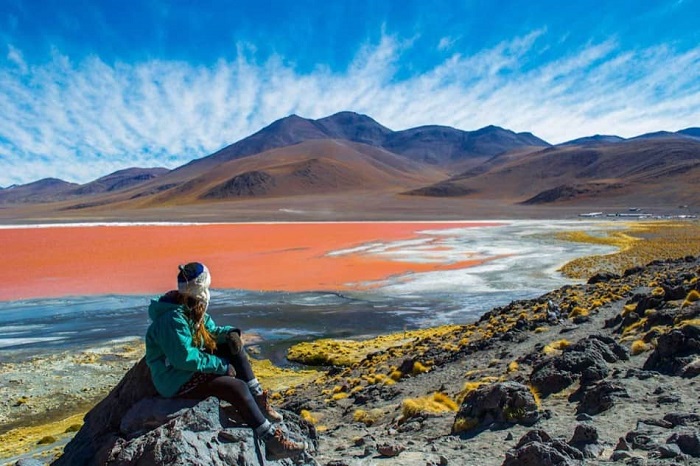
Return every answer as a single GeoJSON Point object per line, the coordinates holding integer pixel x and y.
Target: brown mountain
{"type": "Point", "coordinates": [44, 190]}
{"type": "Point", "coordinates": [347, 162]}
{"type": "Point", "coordinates": [53, 189]}
{"type": "Point", "coordinates": [119, 180]}
{"type": "Point", "coordinates": [436, 145]}
{"type": "Point", "coordinates": [314, 167]}
{"type": "Point", "coordinates": [659, 169]}
{"type": "Point", "coordinates": [296, 156]}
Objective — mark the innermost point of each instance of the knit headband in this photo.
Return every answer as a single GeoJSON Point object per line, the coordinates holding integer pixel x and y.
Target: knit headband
{"type": "Point", "coordinates": [194, 280]}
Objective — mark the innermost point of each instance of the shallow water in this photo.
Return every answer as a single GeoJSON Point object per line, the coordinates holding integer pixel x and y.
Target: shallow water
{"type": "Point", "coordinates": [521, 262]}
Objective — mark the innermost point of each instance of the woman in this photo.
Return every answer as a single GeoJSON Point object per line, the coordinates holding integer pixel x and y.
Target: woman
{"type": "Point", "coordinates": [190, 356]}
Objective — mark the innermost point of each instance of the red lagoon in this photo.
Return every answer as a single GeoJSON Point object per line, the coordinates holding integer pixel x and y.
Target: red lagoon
{"type": "Point", "coordinates": [56, 261]}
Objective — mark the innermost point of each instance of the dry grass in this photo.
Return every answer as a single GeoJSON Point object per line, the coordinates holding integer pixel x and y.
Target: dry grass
{"type": "Point", "coordinates": [349, 352]}
{"type": "Point", "coordinates": [436, 403]}
{"type": "Point", "coordinates": [638, 245]}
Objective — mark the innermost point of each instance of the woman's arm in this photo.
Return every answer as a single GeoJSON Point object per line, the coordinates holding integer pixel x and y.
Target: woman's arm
{"type": "Point", "coordinates": [218, 332]}
{"type": "Point", "coordinates": [176, 342]}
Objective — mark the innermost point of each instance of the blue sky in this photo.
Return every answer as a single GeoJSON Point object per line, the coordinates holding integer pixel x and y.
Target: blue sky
{"type": "Point", "coordinates": [89, 87]}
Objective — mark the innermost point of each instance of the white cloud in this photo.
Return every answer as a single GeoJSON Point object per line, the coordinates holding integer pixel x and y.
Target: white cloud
{"type": "Point", "coordinates": [79, 121]}
{"type": "Point", "coordinates": [15, 56]}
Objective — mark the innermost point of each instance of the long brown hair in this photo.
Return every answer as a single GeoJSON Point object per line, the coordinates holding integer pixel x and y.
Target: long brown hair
{"type": "Point", "coordinates": [195, 309]}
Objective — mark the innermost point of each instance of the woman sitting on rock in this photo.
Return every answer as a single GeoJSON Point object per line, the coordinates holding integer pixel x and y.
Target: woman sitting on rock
{"type": "Point", "coordinates": [191, 357]}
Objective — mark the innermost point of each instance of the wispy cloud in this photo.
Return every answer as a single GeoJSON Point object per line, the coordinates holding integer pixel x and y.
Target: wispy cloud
{"type": "Point", "coordinates": [78, 121]}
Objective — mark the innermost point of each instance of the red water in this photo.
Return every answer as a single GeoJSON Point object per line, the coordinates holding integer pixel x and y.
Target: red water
{"type": "Point", "coordinates": [141, 259]}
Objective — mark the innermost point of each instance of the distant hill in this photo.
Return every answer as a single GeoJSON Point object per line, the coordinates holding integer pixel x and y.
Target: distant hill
{"type": "Point", "coordinates": [119, 180]}
{"type": "Point", "coordinates": [693, 132]}
{"type": "Point", "coordinates": [44, 190]}
{"type": "Point", "coordinates": [52, 189]}
{"type": "Point", "coordinates": [593, 140]}
{"type": "Point", "coordinates": [662, 169]}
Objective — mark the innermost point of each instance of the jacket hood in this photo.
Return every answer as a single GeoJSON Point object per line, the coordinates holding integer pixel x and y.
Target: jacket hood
{"type": "Point", "coordinates": [157, 308]}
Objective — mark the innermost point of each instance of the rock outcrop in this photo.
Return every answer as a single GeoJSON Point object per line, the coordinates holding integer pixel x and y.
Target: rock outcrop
{"type": "Point", "coordinates": [585, 361]}
{"type": "Point", "coordinates": [676, 352]}
{"type": "Point", "coordinates": [133, 425]}
{"type": "Point", "coordinates": [505, 402]}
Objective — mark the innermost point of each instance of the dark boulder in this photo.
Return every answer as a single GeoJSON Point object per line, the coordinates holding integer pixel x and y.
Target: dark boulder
{"type": "Point", "coordinates": [585, 439]}
{"type": "Point", "coordinates": [688, 441]}
{"type": "Point", "coordinates": [541, 450]}
{"type": "Point", "coordinates": [598, 397]}
{"type": "Point", "coordinates": [676, 352]}
{"type": "Point", "coordinates": [602, 277]}
{"type": "Point", "coordinates": [683, 419]}
{"type": "Point", "coordinates": [504, 402]}
{"type": "Point", "coordinates": [585, 361]}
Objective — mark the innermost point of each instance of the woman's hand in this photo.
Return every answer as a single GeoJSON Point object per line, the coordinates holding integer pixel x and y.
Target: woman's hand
{"type": "Point", "coordinates": [233, 339]}
{"type": "Point", "coordinates": [230, 371]}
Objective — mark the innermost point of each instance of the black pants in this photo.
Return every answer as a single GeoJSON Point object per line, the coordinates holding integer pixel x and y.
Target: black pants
{"type": "Point", "coordinates": [232, 389]}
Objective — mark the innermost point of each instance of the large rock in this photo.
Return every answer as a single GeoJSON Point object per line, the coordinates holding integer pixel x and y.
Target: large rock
{"type": "Point", "coordinates": [598, 397]}
{"type": "Point", "coordinates": [587, 361]}
{"type": "Point", "coordinates": [586, 440]}
{"type": "Point", "coordinates": [537, 448]}
{"type": "Point", "coordinates": [205, 435]}
{"type": "Point", "coordinates": [134, 426]}
{"type": "Point", "coordinates": [504, 402]}
{"type": "Point", "coordinates": [676, 352]}
{"type": "Point", "coordinates": [100, 432]}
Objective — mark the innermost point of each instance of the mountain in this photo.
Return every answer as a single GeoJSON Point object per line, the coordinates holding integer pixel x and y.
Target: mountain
{"type": "Point", "coordinates": [311, 167]}
{"type": "Point", "coordinates": [52, 189]}
{"type": "Point", "coordinates": [427, 154]}
{"type": "Point", "coordinates": [43, 190]}
{"type": "Point", "coordinates": [692, 132]}
{"type": "Point", "coordinates": [119, 180]}
{"type": "Point", "coordinates": [446, 146]}
{"type": "Point", "coordinates": [348, 161]}
{"type": "Point", "coordinates": [665, 170]}
{"type": "Point", "coordinates": [593, 140]}
{"type": "Point", "coordinates": [436, 145]}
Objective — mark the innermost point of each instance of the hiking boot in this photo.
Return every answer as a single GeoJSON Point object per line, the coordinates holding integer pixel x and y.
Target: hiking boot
{"type": "Point", "coordinates": [278, 445]}
{"type": "Point", "coordinates": [263, 402]}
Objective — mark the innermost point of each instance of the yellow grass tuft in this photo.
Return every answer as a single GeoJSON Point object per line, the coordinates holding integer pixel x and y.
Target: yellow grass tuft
{"type": "Point", "coordinates": [627, 309]}
{"type": "Point", "coordinates": [419, 368]}
{"type": "Point", "coordinates": [308, 416]}
{"type": "Point", "coordinates": [634, 327]}
{"type": "Point", "coordinates": [348, 352]}
{"type": "Point", "coordinates": [639, 347]}
{"type": "Point", "coordinates": [692, 297]}
{"type": "Point", "coordinates": [513, 366]}
{"type": "Point", "coordinates": [464, 424]}
{"type": "Point", "coordinates": [368, 418]}
{"type": "Point", "coordinates": [437, 403]}
{"type": "Point", "coordinates": [578, 311]}
{"type": "Point", "coordinates": [535, 395]}
{"type": "Point", "coordinates": [556, 346]}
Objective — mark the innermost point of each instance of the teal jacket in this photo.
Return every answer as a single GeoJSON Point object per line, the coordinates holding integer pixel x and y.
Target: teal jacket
{"type": "Point", "coordinates": [170, 351]}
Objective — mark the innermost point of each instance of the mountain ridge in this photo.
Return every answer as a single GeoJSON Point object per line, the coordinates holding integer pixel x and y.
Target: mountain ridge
{"type": "Point", "coordinates": [348, 154]}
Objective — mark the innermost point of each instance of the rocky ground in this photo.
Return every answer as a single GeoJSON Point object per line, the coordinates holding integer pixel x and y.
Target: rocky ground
{"type": "Point", "coordinates": [598, 373]}
{"type": "Point", "coordinates": [612, 377]}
